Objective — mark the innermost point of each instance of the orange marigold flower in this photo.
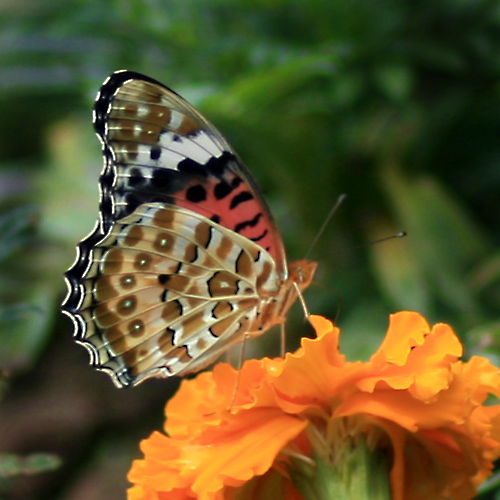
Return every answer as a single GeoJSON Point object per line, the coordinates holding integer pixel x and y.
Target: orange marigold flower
{"type": "Point", "coordinates": [414, 402]}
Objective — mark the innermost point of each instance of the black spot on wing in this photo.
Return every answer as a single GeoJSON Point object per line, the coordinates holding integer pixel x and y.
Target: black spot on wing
{"type": "Point", "coordinates": [163, 178]}
{"type": "Point", "coordinates": [192, 168]}
{"type": "Point", "coordinates": [155, 153]}
{"type": "Point", "coordinates": [136, 178]}
{"type": "Point", "coordinates": [248, 223]}
{"type": "Point", "coordinates": [241, 198]}
{"type": "Point", "coordinates": [132, 199]}
{"type": "Point", "coordinates": [163, 278]}
{"type": "Point", "coordinates": [236, 182]}
{"type": "Point", "coordinates": [215, 166]}
{"type": "Point", "coordinates": [222, 189]}
{"type": "Point", "coordinates": [258, 238]}
{"type": "Point", "coordinates": [196, 193]}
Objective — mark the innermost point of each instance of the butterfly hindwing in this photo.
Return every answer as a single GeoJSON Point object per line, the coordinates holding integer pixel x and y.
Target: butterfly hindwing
{"type": "Point", "coordinates": [167, 283]}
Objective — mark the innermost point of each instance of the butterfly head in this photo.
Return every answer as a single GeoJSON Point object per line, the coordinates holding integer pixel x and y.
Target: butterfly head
{"type": "Point", "coordinates": [302, 272]}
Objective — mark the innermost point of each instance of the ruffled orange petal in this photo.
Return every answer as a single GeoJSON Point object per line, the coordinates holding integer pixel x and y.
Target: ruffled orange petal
{"type": "Point", "coordinates": [413, 356]}
{"type": "Point", "coordinates": [193, 407]}
{"type": "Point", "coordinates": [226, 456]}
{"type": "Point", "coordinates": [204, 401]}
{"type": "Point", "coordinates": [314, 374]}
{"type": "Point", "coordinates": [406, 331]}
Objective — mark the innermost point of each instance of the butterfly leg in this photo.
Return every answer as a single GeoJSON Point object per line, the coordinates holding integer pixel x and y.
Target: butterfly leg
{"type": "Point", "coordinates": [302, 301]}
{"type": "Point", "coordinates": [241, 359]}
{"type": "Point", "coordinates": [282, 340]}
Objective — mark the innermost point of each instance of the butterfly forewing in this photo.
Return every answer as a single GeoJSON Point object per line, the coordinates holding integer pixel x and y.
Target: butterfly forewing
{"type": "Point", "coordinates": [162, 149]}
{"type": "Point", "coordinates": [186, 259]}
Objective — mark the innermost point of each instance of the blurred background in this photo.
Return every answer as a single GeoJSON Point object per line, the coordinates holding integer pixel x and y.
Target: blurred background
{"type": "Point", "coordinates": [395, 103]}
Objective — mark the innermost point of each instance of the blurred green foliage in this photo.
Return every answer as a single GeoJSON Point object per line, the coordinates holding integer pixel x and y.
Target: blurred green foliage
{"type": "Point", "coordinates": [13, 465]}
{"type": "Point", "coordinates": [395, 103]}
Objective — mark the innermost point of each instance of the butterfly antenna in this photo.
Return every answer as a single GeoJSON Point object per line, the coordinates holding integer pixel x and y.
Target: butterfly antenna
{"type": "Point", "coordinates": [339, 202]}
{"type": "Point", "coordinates": [400, 234]}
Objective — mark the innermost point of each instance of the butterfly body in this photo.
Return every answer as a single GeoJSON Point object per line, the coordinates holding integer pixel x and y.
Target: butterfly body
{"type": "Point", "coordinates": [185, 260]}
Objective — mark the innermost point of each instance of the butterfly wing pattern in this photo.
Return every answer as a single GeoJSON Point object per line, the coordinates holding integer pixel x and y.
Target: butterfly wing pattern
{"type": "Point", "coordinates": [185, 259]}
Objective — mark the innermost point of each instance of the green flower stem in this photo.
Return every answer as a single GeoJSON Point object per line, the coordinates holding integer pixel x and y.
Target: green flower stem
{"type": "Point", "coordinates": [361, 475]}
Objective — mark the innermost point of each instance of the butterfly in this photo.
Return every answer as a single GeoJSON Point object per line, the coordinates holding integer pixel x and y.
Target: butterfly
{"type": "Point", "coordinates": [185, 259]}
